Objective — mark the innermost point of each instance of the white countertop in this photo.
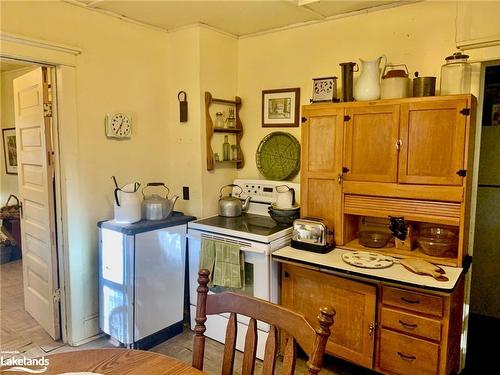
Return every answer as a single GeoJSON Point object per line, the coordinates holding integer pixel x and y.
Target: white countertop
{"type": "Point", "coordinates": [332, 261]}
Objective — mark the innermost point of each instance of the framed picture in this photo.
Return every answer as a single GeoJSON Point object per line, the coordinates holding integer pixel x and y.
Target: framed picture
{"type": "Point", "coordinates": [9, 149]}
{"type": "Point", "coordinates": [280, 107]}
{"type": "Point", "coordinates": [495, 114]}
{"type": "Point", "coordinates": [324, 89]}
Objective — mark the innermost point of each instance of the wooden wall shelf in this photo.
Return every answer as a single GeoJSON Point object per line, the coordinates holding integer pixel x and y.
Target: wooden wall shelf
{"type": "Point", "coordinates": [210, 129]}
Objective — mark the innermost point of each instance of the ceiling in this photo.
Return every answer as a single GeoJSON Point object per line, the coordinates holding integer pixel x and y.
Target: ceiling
{"type": "Point", "coordinates": [236, 17]}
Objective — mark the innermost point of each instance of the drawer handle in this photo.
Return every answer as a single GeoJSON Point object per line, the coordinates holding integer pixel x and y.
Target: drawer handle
{"type": "Point", "coordinates": [413, 301]}
{"type": "Point", "coordinates": [408, 325]}
{"type": "Point", "coordinates": [407, 357]}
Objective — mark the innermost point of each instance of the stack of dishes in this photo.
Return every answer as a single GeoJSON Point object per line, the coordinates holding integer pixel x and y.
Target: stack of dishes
{"type": "Point", "coordinates": [284, 215]}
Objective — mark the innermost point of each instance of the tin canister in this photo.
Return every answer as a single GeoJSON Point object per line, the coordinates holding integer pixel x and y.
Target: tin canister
{"type": "Point", "coordinates": [424, 86]}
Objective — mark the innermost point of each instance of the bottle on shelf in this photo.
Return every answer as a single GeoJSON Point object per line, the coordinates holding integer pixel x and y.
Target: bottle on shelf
{"type": "Point", "coordinates": [225, 149]}
{"type": "Point", "coordinates": [231, 120]}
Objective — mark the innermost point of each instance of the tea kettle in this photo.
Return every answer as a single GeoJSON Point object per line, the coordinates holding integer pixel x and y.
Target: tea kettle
{"type": "Point", "coordinates": [230, 206]}
{"type": "Point", "coordinates": [127, 206]}
{"type": "Point", "coordinates": [156, 207]}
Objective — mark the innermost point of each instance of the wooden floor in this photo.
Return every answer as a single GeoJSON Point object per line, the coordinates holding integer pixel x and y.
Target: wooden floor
{"type": "Point", "coordinates": [21, 333]}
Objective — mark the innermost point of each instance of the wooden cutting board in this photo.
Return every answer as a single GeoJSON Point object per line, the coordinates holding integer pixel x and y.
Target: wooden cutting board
{"type": "Point", "coordinates": [422, 267]}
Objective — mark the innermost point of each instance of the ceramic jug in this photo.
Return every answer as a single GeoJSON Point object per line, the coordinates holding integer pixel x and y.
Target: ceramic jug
{"type": "Point", "coordinates": [368, 84]}
{"type": "Point", "coordinates": [127, 205]}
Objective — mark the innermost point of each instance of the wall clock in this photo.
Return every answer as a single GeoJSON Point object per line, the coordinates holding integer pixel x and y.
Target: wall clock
{"type": "Point", "coordinates": [118, 125]}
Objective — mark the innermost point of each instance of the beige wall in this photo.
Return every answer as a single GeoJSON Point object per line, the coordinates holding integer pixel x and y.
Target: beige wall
{"type": "Point", "coordinates": [8, 182]}
{"type": "Point", "coordinates": [132, 68]}
{"type": "Point", "coordinates": [292, 58]}
{"type": "Point", "coordinates": [121, 68]}
{"type": "Point", "coordinates": [219, 75]}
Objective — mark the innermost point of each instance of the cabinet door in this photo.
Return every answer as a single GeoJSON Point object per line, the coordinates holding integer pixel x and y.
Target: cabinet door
{"type": "Point", "coordinates": [305, 291]}
{"type": "Point", "coordinates": [370, 148]}
{"type": "Point", "coordinates": [322, 165]}
{"type": "Point", "coordinates": [433, 142]}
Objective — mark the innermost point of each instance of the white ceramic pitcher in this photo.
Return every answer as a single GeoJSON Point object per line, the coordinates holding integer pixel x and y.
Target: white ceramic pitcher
{"type": "Point", "coordinates": [127, 205]}
{"type": "Point", "coordinates": [368, 84]}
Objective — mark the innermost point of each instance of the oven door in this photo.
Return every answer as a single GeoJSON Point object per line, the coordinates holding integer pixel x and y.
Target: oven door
{"type": "Point", "coordinates": [257, 265]}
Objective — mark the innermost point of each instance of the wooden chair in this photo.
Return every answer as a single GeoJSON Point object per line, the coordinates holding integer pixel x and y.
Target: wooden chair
{"type": "Point", "coordinates": [295, 325]}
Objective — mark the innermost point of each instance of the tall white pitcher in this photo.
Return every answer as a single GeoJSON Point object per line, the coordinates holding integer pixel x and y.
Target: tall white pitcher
{"type": "Point", "coordinates": [368, 84]}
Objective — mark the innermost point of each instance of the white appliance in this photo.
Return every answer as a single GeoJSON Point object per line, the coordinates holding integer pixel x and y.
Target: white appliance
{"type": "Point", "coordinates": [258, 236]}
{"type": "Point", "coordinates": [141, 280]}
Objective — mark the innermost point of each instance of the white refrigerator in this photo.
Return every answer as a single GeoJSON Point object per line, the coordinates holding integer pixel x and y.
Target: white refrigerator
{"type": "Point", "coordinates": [141, 280]}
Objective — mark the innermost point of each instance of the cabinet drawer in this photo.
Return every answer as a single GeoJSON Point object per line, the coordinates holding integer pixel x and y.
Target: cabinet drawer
{"type": "Point", "coordinates": [403, 354]}
{"type": "Point", "coordinates": [419, 302]}
{"type": "Point", "coordinates": [411, 323]}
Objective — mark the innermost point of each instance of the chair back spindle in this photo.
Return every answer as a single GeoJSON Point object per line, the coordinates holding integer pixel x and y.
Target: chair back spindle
{"type": "Point", "coordinates": [297, 328]}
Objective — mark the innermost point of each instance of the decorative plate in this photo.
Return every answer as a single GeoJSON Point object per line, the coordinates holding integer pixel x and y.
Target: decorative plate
{"type": "Point", "coordinates": [367, 260]}
{"type": "Point", "coordinates": [278, 156]}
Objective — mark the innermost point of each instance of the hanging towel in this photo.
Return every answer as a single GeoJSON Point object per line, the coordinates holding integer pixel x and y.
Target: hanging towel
{"type": "Point", "coordinates": [228, 266]}
{"type": "Point", "coordinates": [225, 262]}
{"type": "Point", "coordinates": [207, 257]}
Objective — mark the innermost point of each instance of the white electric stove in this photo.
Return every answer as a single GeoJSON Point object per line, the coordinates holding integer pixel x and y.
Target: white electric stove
{"type": "Point", "coordinates": [258, 235]}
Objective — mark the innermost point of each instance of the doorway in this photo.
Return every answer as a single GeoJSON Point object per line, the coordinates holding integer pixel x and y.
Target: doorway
{"type": "Point", "coordinates": [484, 309]}
{"type": "Point", "coordinates": [24, 328]}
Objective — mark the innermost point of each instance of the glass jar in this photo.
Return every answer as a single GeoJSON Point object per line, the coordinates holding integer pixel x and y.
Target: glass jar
{"type": "Point", "coordinates": [455, 75]}
{"type": "Point", "coordinates": [219, 120]}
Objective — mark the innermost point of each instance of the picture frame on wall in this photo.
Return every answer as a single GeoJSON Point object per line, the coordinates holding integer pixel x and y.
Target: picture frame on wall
{"type": "Point", "coordinates": [9, 149]}
{"type": "Point", "coordinates": [280, 108]}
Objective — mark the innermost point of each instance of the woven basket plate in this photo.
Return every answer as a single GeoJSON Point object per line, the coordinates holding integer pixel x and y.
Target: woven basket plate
{"type": "Point", "coordinates": [278, 156]}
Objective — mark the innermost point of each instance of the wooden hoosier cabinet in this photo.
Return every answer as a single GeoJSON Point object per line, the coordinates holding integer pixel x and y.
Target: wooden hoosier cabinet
{"type": "Point", "coordinates": [361, 163]}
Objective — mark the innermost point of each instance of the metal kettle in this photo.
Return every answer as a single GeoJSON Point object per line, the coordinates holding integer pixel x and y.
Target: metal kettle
{"type": "Point", "coordinates": [156, 207]}
{"type": "Point", "coordinates": [230, 206]}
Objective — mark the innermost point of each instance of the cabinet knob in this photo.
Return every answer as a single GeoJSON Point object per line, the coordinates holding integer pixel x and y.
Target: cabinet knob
{"type": "Point", "coordinates": [287, 274]}
{"type": "Point", "coordinates": [399, 142]}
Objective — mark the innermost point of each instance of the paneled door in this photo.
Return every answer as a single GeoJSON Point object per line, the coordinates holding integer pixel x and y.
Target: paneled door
{"type": "Point", "coordinates": [36, 190]}
{"type": "Point", "coordinates": [371, 143]}
{"type": "Point", "coordinates": [433, 135]}
{"type": "Point", "coordinates": [306, 291]}
{"type": "Point", "coordinates": [322, 165]}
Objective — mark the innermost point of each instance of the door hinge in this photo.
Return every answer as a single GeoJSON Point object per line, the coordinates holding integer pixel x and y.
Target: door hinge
{"type": "Point", "coordinates": [56, 296]}
{"type": "Point", "coordinates": [462, 173]}
{"type": "Point", "coordinates": [347, 117]}
{"type": "Point", "coordinates": [465, 111]}
{"type": "Point", "coordinates": [47, 109]}
{"type": "Point", "coordinates": [303, 119]}
{"type": "Point", "coordinates": [371, 328]}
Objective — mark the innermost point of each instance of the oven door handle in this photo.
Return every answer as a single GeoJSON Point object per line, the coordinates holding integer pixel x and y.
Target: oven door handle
{"type": "Point", "coordinates": [251, 250]}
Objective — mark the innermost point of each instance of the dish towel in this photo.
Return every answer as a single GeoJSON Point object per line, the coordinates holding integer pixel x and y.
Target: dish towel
{"type": "Point", "coordinates": [225, 262]}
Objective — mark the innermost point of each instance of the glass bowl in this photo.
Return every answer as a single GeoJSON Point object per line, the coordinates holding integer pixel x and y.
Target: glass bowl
{"type": "Point", "coordinates": [437, 241]}
{"type": "Point", "coordinates": [374, 239]}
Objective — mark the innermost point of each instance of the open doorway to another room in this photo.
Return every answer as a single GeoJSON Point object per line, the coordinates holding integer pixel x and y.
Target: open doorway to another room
{"type": "Point", "coordinates": [484, 318]}
{"type": "Point", "coordinates": [20, 330]}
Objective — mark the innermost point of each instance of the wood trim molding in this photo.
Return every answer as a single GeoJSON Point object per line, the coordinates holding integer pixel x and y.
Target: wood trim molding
{"type": "Point", "coordinates": [20, 47]}
{"type": "Point", "coordinates": [20, 39]}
